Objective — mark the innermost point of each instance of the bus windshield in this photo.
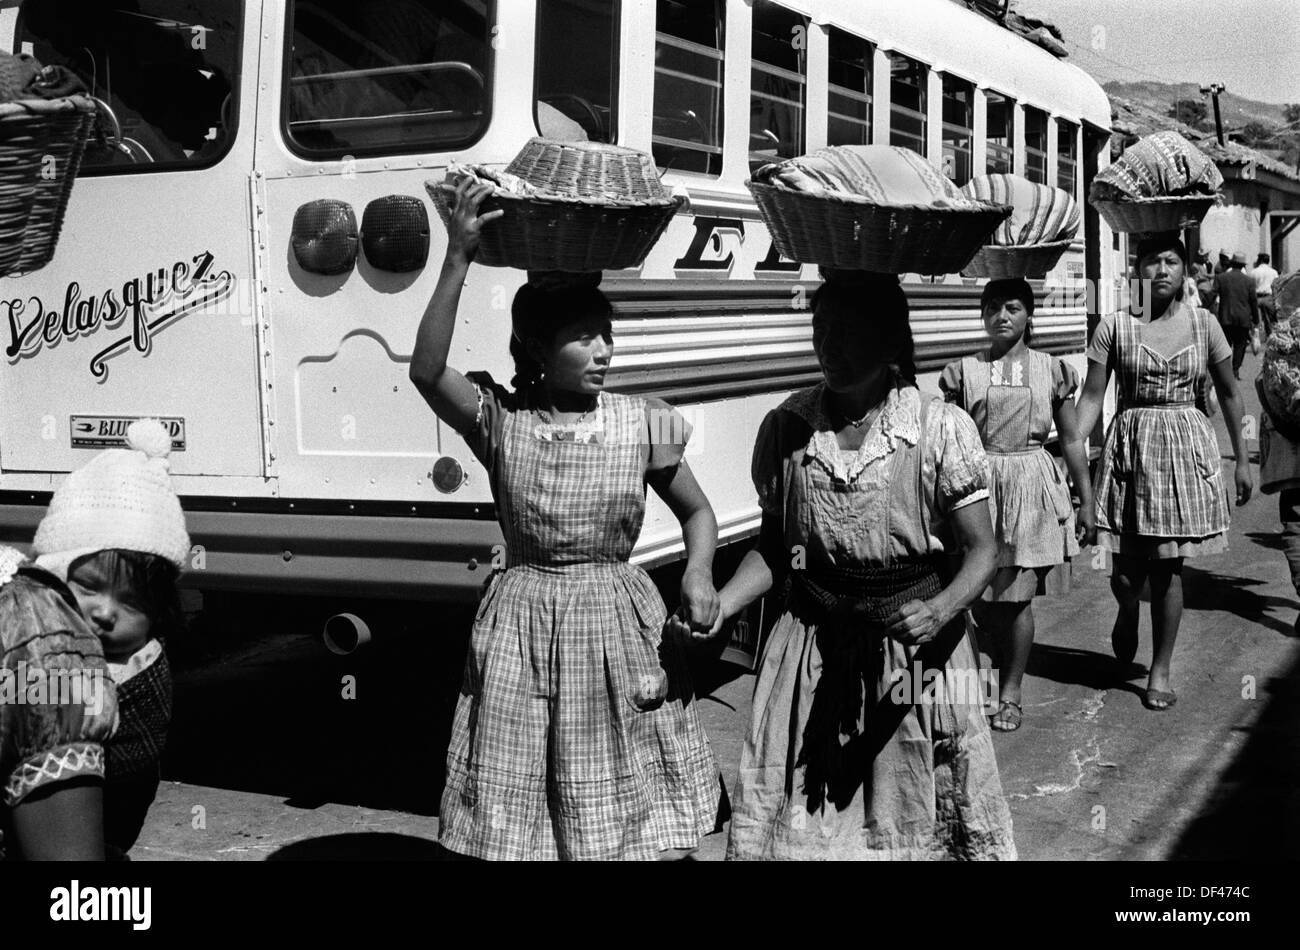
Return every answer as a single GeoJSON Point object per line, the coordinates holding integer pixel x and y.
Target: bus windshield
{"type": "Point", "coordinates": [165, 72]}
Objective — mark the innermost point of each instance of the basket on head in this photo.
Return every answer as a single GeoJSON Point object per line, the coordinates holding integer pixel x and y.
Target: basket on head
{"type": "Point", "coordinates": [1025, 260]}
{"type": "Point", "coordinates": [41, 145]}
{"type": "Point", "coordinates": [872, 208]}
{"type": "Point", "coordinates": [1153, 215]}
{"type": "Point", "coordinates": [1043, 223]}
{"type": "Point", "coordinates": [589, 170]}
{"type": "Point", "coordinates": [567, 207]}
{"type": "Point", "coordinates": [851, 235]}
{"type": "Point", "coordinates": [1162, 182]}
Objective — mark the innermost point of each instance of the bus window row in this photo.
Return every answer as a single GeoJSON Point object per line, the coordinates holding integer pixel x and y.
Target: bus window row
{"type": "Point", "coordinates": [362, 79]}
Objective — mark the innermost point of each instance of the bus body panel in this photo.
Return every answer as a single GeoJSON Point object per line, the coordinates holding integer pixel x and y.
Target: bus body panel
{"type": "Point", "coordinates": [306, 447]}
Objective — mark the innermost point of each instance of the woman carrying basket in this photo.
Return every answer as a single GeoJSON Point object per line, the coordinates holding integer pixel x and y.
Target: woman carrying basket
{"type": "Point", "coordinates": [1160, 494]}
{"type": "Point", "coordinates": [576, 734]}
{"type": "Point", "coordinates": [866, 488]}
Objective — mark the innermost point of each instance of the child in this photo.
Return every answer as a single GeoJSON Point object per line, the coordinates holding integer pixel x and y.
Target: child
{"type": "Point", "coordinates": [51, 750]}
{"type": "Point", "coordinates": [575, 735]}
{"type": "Point", "coordinates": [116, 533]}
{"type": "Point", "coordinates": [1014, 393]}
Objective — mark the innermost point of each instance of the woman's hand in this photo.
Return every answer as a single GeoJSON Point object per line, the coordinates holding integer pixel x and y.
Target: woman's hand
{"type": "Point", "coordinates": [700, 615]}
{"type": "Point", "coordinates": [1245, 482]}
{"type": "Point", "coordinates": [466, 224]}
{"type": "Point", "coordinates": [1086, 529]}
{"type": "Point", "coordinates": [918, 621]}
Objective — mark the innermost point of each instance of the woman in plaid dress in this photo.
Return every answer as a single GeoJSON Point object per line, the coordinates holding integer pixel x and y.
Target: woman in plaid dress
{"type": "Point", "coordinates": [575, 736]}
{"type": "Point", "coordinates": [1160, 493]}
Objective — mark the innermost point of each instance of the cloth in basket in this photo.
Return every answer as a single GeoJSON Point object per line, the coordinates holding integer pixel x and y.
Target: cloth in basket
{"type": "Point", "coordinates": [1163, 165]}
{"type": "Point", "coordinates": [508, 184]}
{"type": "Point", "coordinates": [23, 77]}
{"type": "Point", "coordinates": [884, 175]}
{"type": "Point", "coordinates": [1040, 214]}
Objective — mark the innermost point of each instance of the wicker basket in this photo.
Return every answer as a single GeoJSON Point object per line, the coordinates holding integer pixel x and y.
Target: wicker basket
{"type": "Point", "coordinates": [853, 235]}
{"type": "Point", "coordinates": [563, 235]}
{"type": "Point", "coordinates": [589, 170]}
{"type": "Point", "coordinates": [998, 262]}
{"type": "Point", "coordinates": [1149, 215]}
{"type": "Point", "coordinates": [41, 144]}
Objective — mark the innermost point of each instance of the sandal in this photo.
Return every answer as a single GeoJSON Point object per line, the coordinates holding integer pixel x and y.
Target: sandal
{"type": "Point", "coordinates": [1158, 700]}
{"type": "Point", "coordinates": [1008, 716]}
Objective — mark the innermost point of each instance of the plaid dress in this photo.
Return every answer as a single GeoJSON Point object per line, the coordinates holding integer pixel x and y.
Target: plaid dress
{"type": "Point", "coordinates": [1159, 488]}
{"type": "Point", "coordinates": [553, 754]}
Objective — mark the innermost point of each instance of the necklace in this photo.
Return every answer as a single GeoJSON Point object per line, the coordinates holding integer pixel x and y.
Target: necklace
{"type": "Point", "coordinates": [549, 418]}
{"type": "Point", "coordinates": [859, 423]}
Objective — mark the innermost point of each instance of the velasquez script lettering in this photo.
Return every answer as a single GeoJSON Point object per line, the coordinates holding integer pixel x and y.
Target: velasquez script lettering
{"type": "Point", "coordinates": [153, 301]}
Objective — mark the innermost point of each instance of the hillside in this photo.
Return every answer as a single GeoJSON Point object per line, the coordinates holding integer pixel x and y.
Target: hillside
{"type": "Point", "coordinates": [1158, 96]}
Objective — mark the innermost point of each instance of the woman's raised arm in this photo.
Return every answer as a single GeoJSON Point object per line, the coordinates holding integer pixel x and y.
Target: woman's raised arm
{"type": "Point", "coordinates": [451, 396]}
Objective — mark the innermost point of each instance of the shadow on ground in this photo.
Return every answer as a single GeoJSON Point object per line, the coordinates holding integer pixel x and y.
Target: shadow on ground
{"type": "Point", "coordinates": [1207, 590]}
{"type": "Point", "coordinates": [1254, 811]}
{"type": "Point", "coordinates": [262, 706]}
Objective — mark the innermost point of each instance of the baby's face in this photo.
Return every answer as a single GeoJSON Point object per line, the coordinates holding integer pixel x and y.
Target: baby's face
{"type": "Point", "coordinates": [120, 623]}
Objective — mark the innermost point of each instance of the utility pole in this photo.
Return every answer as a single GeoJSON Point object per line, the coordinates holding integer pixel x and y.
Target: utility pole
{"type": "Point", "coordinates": [1214, 89]}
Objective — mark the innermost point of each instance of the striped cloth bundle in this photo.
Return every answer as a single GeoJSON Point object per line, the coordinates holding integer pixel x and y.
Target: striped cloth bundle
{"type": "Point", "coordinates": [1040, 214]}
{"type": "Point", "coordinates": [873, 174]}
{"type": "Point", "coordinates": [1162, 165]}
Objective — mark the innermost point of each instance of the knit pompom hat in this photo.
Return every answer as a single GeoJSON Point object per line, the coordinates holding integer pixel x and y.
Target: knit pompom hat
{"type": "Point", "coordinates": [121, 498]}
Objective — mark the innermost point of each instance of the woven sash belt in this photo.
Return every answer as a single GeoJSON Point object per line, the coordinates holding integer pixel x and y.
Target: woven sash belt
{"type": "Point", "coordinates": [863, 594]}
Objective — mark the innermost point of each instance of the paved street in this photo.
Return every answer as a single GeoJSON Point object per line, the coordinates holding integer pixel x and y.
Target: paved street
{"type": "Point", "coordinates": [270, 760]}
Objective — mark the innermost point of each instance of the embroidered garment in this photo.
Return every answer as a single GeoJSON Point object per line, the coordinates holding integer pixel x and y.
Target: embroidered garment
{"type": "Point", "coordinates": [1013, 402]}
{"type": "Point", "coordinates": [68, 705]}
{"type": "Point", "coordinates": [826, 772]}
{"type": "Point", "coordinates": [576, 734]}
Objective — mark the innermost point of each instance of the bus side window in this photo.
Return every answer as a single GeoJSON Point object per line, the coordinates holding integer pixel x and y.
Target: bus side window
{"type": "Point", "coordinates": [778, 80]}
{"type": "Point", "coordinates": [1036, 145]}
{"type": "Point", "coordinates": [1066, 152]}
{"type": "Point", "coordinates": [166, 78]}
{"type": "Point", "coordinates": [907, 112]}
{"type": "Point", "coordinates": [849, 97]}
{"type": "Point", "coordinates": [576, 87]}
{"type": "Point", "coordinates": [387, 76]}
{"type": "Point", "coordinates": [687, 129]}
{"type": "Point", "coordinates": [958, 128]}
{"type": "Point", "coordinates": [1001, 113]}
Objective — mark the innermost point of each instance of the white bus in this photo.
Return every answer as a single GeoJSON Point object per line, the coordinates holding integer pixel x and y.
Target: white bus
{"type": "Point", "coordinates": [306, 461]}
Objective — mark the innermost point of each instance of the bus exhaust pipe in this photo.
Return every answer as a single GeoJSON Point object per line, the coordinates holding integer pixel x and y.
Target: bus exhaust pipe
{"type": "Point", "coordinates": [345, 633]}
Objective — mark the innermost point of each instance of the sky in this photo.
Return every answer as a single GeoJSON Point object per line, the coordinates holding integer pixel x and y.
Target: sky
{"type": "Point", "coordinates": [1251, 46]}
